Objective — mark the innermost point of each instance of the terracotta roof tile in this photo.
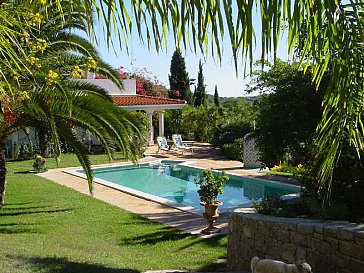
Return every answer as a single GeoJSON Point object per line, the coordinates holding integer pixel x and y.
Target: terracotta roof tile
{"type": "Point", "coordinates": [128, 100]}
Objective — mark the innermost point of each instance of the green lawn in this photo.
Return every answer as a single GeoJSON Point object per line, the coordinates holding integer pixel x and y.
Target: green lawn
{"type": "Point", "coordinates": [45, 227]}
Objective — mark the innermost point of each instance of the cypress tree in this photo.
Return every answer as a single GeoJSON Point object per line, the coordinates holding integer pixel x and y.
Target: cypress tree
{"type": "Point", "coordinates": [179, 82]}
{"type": "Point", "coordinates": [216, 97]}
{"type": "Point", "coordinates": [200, 92]}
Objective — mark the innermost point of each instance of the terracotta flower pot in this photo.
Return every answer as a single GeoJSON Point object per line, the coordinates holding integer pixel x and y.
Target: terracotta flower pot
{"type": "Point", "coordinates": [211, 214]}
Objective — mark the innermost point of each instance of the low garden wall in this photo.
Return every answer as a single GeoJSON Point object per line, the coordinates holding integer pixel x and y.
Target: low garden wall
{"type": "Point", "coordinates": [328, 246]}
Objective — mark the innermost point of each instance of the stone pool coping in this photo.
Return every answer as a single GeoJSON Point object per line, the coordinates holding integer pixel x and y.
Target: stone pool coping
{"type": "Point", "coordinates": [160, 200]}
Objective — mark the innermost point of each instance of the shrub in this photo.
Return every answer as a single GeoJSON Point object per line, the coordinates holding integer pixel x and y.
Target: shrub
{"type": "Point", "coordinates": [198, 123]}
{"type": "Point", "coordinates": [269, 205]}
{"type": "Point", "coordinates": [327, 211]}
{"type": "Point", "coordinates": [297, 171]}
{"type": "Point", "coordinates": [273, 205]}
{"type": "Point", "coordinates": [228, 132]}
{"type": "Point", "coordinates": [234, 150]}
{"type": "Point", "coordinates": [279, 168]}
{"type": "Point", "coordinates": [347, 188]}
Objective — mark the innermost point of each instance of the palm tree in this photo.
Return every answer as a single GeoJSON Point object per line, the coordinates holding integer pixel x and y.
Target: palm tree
{"type": "Point", "coordinates": [48, 99]}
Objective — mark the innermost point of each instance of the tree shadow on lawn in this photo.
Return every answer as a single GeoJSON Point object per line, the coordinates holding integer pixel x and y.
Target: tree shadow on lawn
{"type": "Point", "coordinates": [18, 204]}
{"type": "Point", "coordinates": [15, 228]}
{"type": "Point", "coordinates": [164, 234]}
{"type": "Point", "coordinates": [25, 172]}
{"type": "Point", "coordinates": [63, 265]}
{"type": "Point", "coordinates": [18, 227]}
{"type": "Point", "coordinates": [14, 208]}
{"type": "Point", "coordinates": [4, 212]}
{"type": "Point", "coordinates": [214, 241]}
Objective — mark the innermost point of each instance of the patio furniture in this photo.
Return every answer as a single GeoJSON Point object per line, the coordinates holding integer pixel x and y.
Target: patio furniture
{"type": "Point", "coordinates": [178, 143]}
{"type": "Point", "coordinates": [162, 144]}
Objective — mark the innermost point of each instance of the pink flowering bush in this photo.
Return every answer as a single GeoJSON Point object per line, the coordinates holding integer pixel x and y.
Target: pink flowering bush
{"type": "Point", "coordinates": [146, 83]}
{"type": "Point", "coordinates": [123, 74]}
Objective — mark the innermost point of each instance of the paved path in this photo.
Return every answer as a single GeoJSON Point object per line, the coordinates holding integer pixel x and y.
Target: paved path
{"type": "Point", "coordinates": [203, 157]}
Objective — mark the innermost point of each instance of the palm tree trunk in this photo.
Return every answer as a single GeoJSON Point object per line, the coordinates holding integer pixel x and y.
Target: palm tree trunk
{"type": "Point", "coordinates": [2, 173]}
{"type": "Point", "coordinates": [42, 143]}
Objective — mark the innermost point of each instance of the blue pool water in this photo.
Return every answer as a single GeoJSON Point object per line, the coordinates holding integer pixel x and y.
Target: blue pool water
{"type": "Point", "coordinates": [176, 183]}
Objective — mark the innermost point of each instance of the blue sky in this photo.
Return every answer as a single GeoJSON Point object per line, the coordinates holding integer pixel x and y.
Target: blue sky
{"type": "Point", "coordinates": [223, 75]}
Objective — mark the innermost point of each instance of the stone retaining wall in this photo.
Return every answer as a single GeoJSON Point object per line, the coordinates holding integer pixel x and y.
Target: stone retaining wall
{"type": "Point", "coordinates": [328, 246]}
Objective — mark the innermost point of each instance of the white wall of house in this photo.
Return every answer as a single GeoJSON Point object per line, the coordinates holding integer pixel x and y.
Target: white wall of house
{"type": "Point", "coordinates": [129, 85]}
{"type": "Point", "coordinates": [15, 140]}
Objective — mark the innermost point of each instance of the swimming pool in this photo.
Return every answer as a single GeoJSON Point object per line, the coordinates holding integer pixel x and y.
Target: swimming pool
{"type": "Point", "coordinates": [172, 183]}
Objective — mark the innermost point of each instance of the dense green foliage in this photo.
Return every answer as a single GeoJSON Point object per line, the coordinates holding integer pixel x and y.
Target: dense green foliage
{"type": "Point", "coordinates": [172, 122]}
{"type": "Point", "coordinates": [238, 109]}
{"type": "Point", "coordinates": [198, 123]}
{"type": "Point", "coordinates": [227, 132]}
{"type": "Point", "coordinates": [199, 97]}
{"type": "Point", "coordinates": [287, 119]}
{"type": "Point", "coordinates": [347, 187]}
{"type": "Point", "coordinates": [223, 126]}
{"type": "Point", "coordinates": [236, 120]}
{"type": "Point", "coordinates": [179, 82]}
{"type": "Point", "coordinates": [234, 150]}
{"type": "Point", "coordinates": [47, 227]}
{"type": "Point", "coordinates": [140, 141]}
{"type": "Point", "coordinates": [288, 114]}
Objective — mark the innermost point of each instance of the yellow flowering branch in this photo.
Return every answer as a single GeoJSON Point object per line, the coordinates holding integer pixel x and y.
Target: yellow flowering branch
{"type": "Point", "coordinates": [52, 77]}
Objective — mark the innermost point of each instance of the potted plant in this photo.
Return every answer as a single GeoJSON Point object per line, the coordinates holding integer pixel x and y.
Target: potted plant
{"type": "Point", "coordinates": [210, 188]}
{"type": "Point", "coordinates": [39, 164]}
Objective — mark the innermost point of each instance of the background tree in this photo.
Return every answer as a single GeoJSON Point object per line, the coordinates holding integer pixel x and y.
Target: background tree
{"type": "Point", "coordinates": [236, 119]}
{"type": "Point", "coordinates": [179, 82]}
{"type": "Point", "coordinates": [199, 97]}
{"type": "Point", "coordinates": [198, 123]}
{"type": "Point", "coordinates": [216, 97]}
{"type": "Point", "coordinates": [288, 114]}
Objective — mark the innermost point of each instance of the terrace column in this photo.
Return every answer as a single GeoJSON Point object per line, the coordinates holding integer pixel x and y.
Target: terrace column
{"type": "Point", "coordinates": [151, 133]}
{"type": "Point", "coordinates": [161, 123]}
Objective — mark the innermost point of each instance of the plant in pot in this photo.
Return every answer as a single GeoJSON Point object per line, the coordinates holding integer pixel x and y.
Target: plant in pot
{"type": "Point", "coordinates": [39, 164]}
{"type": "Point", "coordinates": [210, 188]}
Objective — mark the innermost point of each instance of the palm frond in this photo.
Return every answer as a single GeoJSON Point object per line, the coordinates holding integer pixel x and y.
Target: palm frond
{"type": "Point", "coordinates": [78, 148]}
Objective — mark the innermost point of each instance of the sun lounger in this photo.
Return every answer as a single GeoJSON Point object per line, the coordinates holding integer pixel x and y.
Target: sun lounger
{"type": "Point", "coordinates": [178, 143]}
{"type": "Point", "coordinates": [162, 144]}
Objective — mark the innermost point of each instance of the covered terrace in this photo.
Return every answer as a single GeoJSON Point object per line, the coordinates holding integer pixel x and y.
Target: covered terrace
{"type": "Point", "coordinates": [128, 99]}
{"type": "Point", "coordinates": [150, 105]}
